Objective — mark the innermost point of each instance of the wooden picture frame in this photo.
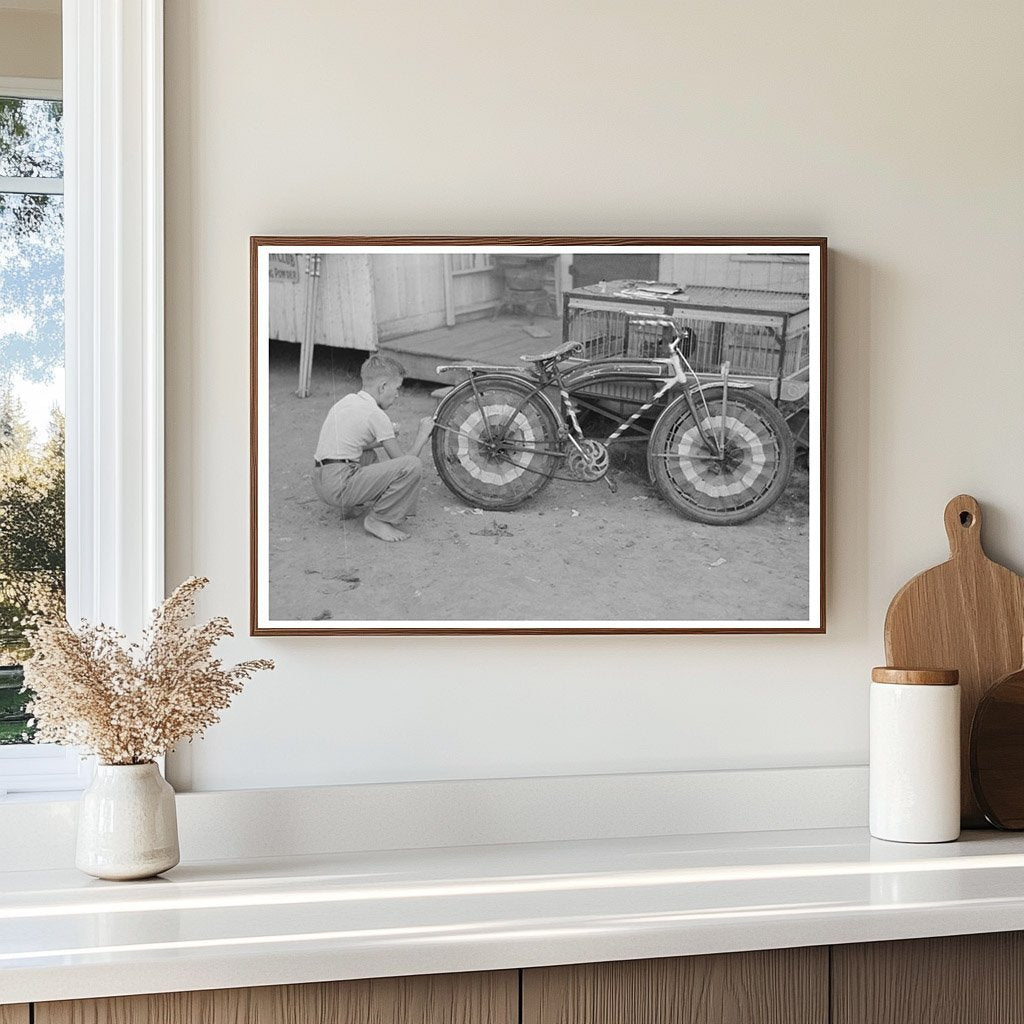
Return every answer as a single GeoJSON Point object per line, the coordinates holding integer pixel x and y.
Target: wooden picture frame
{"type": "Point", "coordinates": [700, 401]}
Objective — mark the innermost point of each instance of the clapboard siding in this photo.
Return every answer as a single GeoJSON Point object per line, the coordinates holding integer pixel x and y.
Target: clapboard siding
{"type": "Point", "coordinates": [345, 315]}
{"type": "Point", "coordinates": [408, 293]}
{"type": "Point", "coordinates": [289, 281]}
{"type": "Point", "coordinates": [475, 285]}
{"type": "Point", "coordinates": [773, 273]}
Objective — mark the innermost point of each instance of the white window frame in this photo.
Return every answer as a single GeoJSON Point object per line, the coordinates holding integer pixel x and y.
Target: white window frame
{"type": "Point", "coordinates": [32, 88]}
{"type": "Point", "coordinates": [114, 320]}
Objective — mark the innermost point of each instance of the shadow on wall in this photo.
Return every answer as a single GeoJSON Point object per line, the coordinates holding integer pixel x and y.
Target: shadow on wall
{"type": "Point", "coordinates": [852, 288]}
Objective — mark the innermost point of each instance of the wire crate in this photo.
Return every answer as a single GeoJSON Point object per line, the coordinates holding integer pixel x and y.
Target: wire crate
{"type": "Point", "coordinates": [748, 348]}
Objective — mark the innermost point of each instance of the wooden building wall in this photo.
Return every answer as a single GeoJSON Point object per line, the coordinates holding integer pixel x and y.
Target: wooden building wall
{"type": "Point", "coordinates": [286, 300]}
{"type": "Point", "coordinates": [772, 272]}
{"type": "Point", "coordinates": [475, 287]}
{"type": "Point", "coordinates": [362, 299]}
{"type": "Point", "coordinates": [342, 310]}
{"type": "Point", "coordinates": [409, 293]}
{"type": "Point", "coordinates": [345, 314]}
{"type": "Point", "coordinates": [418, 292]}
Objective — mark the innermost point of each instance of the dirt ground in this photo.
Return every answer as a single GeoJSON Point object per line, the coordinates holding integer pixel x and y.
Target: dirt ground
{"type": "Point", "coordinates": [576, 551]}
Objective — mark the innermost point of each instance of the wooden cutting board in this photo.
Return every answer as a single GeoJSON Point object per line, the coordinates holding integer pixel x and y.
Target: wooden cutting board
{"type": "Point", "coordinates": [967, 614]}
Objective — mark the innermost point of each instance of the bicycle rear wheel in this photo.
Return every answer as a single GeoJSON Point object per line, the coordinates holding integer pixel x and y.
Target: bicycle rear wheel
{"type": "Point", "coordinates": [491, 443]}
{"type": "Point", "coordinates": [732, 486]}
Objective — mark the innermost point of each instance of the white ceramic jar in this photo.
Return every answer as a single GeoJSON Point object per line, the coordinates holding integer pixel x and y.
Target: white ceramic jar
{"type": "Point", "coordinates": [127, 823]}
{"type": "Point", "coordinates": [915, 755]}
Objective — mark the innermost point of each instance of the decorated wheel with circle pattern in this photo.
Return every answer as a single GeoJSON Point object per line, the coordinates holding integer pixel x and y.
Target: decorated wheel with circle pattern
{"type": "Point", "coordinates": [492, 443]}
{"type": "Point", "coordinates": [730, 467]}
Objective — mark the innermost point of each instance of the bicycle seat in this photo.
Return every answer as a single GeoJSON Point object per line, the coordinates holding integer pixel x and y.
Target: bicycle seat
{"type": "Point", "coordinates": [555, 353]}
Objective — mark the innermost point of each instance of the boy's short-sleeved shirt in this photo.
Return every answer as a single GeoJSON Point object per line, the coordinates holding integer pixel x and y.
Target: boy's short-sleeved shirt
{"type": "Point", "coordinates": [354, 424]}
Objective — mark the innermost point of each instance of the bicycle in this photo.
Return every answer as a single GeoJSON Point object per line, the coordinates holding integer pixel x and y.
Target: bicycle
{"type": "Point", "coordinates": [717, 450]}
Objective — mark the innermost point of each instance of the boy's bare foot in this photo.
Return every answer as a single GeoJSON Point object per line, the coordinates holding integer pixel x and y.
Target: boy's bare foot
{"type": "Point", "coordinates": [385, 531]}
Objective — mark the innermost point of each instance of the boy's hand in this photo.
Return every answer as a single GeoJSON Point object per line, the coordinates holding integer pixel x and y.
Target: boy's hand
{"type": "Point", "coordinates": [422, 435]}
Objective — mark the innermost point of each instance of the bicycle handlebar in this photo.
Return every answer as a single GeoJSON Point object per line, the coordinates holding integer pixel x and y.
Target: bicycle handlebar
{"type": "Point", "coordinates": [656, 321]}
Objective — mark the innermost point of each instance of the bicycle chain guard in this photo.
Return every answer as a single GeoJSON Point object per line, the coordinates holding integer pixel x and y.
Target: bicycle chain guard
{"type": "Point", "coordinates": [591, 463]}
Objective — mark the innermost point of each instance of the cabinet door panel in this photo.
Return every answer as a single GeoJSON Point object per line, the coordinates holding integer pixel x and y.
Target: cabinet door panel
{"type": "Point", "coordinates": [483, 998]}
{"type": "Point", "coordinates": [777, 986]}
{"type": "Point", "coordinates": [960, 979]}
{"type": "Point", "coordinates": [14, 1014]}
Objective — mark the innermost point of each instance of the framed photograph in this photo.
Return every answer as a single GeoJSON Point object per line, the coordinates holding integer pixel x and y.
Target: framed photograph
{"type": "Point", "coordinates": [537, 435]}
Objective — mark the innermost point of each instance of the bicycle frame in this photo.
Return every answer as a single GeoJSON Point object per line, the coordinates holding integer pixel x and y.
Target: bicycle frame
{"type": "Point", "coordinates": [550, 374]}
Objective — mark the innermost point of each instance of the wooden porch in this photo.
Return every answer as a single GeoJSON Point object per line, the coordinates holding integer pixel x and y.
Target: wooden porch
{"type": "Point", "coordinates": [501, 341]}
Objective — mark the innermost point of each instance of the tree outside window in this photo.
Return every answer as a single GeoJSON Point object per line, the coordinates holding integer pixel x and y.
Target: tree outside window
{"type": "Point", "coordinates": [32, 542]}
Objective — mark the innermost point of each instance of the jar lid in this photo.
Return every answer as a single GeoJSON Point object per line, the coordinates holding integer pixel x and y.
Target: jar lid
{"type": "Point", "coordinates": [916, 676]}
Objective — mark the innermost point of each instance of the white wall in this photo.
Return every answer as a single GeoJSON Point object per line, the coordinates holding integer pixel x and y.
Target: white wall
{"type": "Point", "coordinates": [895, 129]}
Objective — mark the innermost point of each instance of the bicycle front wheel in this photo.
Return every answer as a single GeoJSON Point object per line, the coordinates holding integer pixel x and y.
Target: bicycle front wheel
{"type": "Point", "coordinates": [741, 474]}
{"type": "Point", "coordinates": [492, 444]}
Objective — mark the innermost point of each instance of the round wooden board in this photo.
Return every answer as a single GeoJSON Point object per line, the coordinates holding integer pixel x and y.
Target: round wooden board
{"type": "Point", "coordinates": [997, 752]}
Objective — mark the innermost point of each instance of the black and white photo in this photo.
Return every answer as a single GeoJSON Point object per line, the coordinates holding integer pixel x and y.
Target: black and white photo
{"type": "Point", "coordinates": [537, 435]}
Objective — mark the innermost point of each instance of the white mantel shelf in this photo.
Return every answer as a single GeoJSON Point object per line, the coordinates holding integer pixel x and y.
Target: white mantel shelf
{"type": "Point", "coordinates": [224, 924]}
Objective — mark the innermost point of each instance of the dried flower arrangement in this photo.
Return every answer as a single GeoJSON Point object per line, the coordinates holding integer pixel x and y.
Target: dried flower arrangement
{"type": "Point", "coordinates": [130, 703]}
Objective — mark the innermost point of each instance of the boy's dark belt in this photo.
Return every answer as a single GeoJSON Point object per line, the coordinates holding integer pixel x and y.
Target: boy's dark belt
{"type": "Point", "coordinates": [326, 462]}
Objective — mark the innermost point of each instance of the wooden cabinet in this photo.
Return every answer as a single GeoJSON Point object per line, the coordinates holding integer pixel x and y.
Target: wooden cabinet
{"type": "Point", "coordinates": [962, 979]}
{"type": "Point", "coordinates": [967, 979]}
{"type": "Point", "coordinates": [491, 998]}
{"type": "Point", "coordinates": [776, 986]}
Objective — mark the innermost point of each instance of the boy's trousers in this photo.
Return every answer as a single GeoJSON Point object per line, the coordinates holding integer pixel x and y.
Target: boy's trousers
{"type": "Point", "coordinates": [389, 489]}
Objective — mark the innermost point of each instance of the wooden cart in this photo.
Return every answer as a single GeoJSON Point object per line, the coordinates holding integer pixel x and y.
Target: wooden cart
{"type": "Point", "coordinates": [762, 335]}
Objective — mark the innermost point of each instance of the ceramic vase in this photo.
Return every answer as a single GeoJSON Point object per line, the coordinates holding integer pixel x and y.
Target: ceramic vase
{"type": "Point", "coordinates": [127, 825]}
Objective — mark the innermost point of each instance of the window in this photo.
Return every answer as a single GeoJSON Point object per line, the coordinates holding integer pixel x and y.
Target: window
{"type": "Point", "coordinates": [31, 379]}
{"type": "Point", "coordinates": [32, 533]}
{"type": "Point", "coordinates": [113, 330]}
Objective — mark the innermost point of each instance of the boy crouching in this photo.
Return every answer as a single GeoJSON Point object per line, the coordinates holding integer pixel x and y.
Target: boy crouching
{"type": "Point", "coordinates": [388, 489]}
